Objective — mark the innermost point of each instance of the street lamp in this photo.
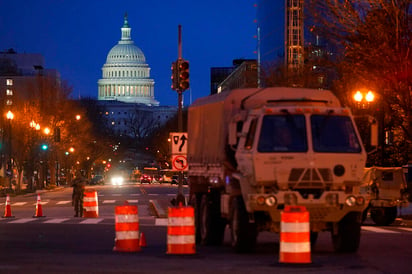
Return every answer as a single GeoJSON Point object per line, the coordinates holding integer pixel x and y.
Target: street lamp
{"type": "Point", "coordinates": [362, 98]}
{"type": "Point", "coordinates": [10, 117]}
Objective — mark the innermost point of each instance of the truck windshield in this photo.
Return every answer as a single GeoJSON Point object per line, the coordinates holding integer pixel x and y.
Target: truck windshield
{"type": "Point", "coordinates": [283, 133]}
{"type": "Point", "coordinates": [334, 134]}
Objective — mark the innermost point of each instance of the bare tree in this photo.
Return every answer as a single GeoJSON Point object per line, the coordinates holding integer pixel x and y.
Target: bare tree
{"type": "Point", "coordinates": [374, 38]}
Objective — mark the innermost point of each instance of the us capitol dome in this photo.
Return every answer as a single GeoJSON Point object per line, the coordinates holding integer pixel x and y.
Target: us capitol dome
{"type": "Point", "coordinates": [126, 75]}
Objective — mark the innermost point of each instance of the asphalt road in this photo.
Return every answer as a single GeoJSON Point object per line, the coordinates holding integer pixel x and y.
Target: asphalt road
{"type": "Point", "coordinates": [61, 243]}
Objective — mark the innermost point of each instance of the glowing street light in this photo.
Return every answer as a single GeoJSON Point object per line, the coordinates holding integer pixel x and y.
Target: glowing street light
{"type": "Point", "coordinates": [10, 117]}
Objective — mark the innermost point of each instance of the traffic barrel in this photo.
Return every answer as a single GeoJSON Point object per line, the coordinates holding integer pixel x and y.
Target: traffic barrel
{"type": "Point", "coordinates": [181, 230]}
{"type": "Point", "coordinates": [7, 209]}
{"type": "Point", "coordinates": [90, 204]}
{"type": "Point", "coordinates": [39, 208]}
{"type": "Point", "coordinates": [295, 235]}
{"type": "Point", "coordinates": [127, 229]}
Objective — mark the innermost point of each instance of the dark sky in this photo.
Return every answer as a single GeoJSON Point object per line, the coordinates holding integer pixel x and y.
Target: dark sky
{"type": "Point", "coordinates": [75, 37]}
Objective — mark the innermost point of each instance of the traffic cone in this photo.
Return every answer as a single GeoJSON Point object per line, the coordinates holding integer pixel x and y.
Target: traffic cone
{"type": "Point", "coordinates": [7, 211]}
{"type": "Point", "coordinates": [39, 209]}
{"type": "Point", "coordinates": [142, 240]}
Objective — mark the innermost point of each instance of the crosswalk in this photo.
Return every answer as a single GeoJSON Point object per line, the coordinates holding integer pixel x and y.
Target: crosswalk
{"type": "Point", "coordinates": [153, 221]}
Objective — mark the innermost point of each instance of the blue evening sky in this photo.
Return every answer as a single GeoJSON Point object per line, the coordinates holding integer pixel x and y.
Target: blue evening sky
{"type": "Point", "coordinates": [75, 36]}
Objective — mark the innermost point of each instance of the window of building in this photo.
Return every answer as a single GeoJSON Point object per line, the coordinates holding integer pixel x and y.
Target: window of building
{"type": "Point", "coordinates": [9, 82]}
{"type": "Point", "coordinates": [9, 92]}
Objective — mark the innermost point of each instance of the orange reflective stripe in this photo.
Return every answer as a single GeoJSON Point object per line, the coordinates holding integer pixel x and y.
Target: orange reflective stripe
{"type": "Point", "coordinates": [126, 226]}
{"type": "Point", "coordinates": [295, 237]}
{"type": "Point", "coordinates": [181, 230]}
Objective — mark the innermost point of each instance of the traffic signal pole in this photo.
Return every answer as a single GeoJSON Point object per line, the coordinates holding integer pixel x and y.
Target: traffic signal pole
{"type": "Point", "coordinates": [180, 198]}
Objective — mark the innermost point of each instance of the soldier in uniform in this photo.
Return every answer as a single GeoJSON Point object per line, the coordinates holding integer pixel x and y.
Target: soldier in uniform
{"type": "Point", "coordinates": [78, 193]}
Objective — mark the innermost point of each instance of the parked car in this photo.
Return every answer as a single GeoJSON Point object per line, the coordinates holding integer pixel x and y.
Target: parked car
{"type": "Point", "coordinates": [175, 180]}
{"type": "Point", "coordinates": [145, 179]}
{"type": "Point", "coordinates": [97, 180]}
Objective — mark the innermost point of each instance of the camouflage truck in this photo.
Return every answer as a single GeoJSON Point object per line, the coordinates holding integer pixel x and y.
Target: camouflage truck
{"type": "Point", "coordinates": [252, 152]}
{"type": "Point", "coordinates": [388, 191]}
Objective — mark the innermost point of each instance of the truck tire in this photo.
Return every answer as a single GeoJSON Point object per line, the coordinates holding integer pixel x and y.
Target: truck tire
{"type": "Point", "coordinates": [243, 233]}
{"type": "Point", "coordinates": [347, 239]}
{"type": "Point", "coordinates": [383, 215]}
{"type": "Point", "coordinates": [212, 225]}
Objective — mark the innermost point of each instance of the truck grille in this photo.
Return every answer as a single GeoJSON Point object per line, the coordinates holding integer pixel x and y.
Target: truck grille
{"type": "Point", "coordinates": [310, 180]}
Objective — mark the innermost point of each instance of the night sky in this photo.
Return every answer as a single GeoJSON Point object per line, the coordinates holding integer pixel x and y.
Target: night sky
{"type": "Point", "coordinates": [75, 36]}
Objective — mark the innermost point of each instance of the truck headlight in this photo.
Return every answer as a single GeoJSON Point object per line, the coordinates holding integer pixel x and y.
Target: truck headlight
{"type": "Point", "coordinates": [271, 200]}
{"type": "Point", "coordinates": [350, 201]}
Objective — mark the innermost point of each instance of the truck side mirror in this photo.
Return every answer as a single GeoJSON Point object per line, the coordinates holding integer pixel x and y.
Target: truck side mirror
{"type": "Point", "coordinates": [374, 134]}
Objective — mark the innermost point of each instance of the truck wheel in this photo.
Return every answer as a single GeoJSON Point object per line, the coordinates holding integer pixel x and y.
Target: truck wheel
{"type": "Point", "coordinates": [347, 239]}
{"type": "Point", "coordinates": [383, 215]}
{"type": "Point", "coordinates": [242, 232]}
{"type": "Point", "coordinates": [212, 225]}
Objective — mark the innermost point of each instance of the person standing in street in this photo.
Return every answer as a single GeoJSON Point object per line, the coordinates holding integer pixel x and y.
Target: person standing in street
{"type": "Point", "coordinates": [78, 193]}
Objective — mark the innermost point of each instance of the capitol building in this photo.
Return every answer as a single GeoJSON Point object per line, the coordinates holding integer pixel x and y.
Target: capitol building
{"type": "Point", "coordinates": [126, 89]}
{"type": "Point", "coordinates": [126, 75]}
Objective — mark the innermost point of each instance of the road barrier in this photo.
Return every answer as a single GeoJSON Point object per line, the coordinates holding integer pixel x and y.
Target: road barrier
{"type": "Point", "coordinates": [181, 230]}
{"type": "Point", "coordinates": [7, 209]}
{"type": "Point", "coordinates": [39, 208]}
{"type": "Point", "coordinates": [90, 204]}
{"type": "Point", "coordinates": [295, 235]}
{"type": "Point", "coordinates": [127, 229]}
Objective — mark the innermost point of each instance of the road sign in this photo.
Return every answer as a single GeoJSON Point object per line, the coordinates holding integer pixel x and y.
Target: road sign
{"type": "Point", "coordinates": [179, 142]}
{"type": "Point", "coordinates": [179, 162]}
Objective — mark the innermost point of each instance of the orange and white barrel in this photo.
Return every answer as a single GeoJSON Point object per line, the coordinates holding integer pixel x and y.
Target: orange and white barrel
{"type": "Point", "coordinates": [295, 235]}
{"type": "Point", "coordinates": [127, 229]}
{"type": "Point", "coordinates": [90, 204]}
{"type": "Point", "coordinates": [181, 230]}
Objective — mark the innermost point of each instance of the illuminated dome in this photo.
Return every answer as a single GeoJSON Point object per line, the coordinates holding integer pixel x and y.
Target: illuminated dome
{"type": "Point", "coordinates": [126, 75]}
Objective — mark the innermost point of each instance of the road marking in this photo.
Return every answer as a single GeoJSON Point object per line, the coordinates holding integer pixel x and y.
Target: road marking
{"type": "Point", "coordinates": [109, 201]}
{"type": "Point", "coordinates": [63, 202]}
{"type": "Point", "coordinates": [56, 220]}
{"type": "Point", "coordinates": [91, 221]}
{"type": "Point", "coordinates": [117, 194]}
{"type": "Point", "coordinates": [377, 229]}
{"type": "Point", "coordinates": [153, 194]}
{"type": "Point", "coordinates": [135, 194]}
{"type": "Point", "coordinates": [133, 201]}
{"type": "Point", "coordinates": [19, 204]}
{"type": "Point", "coordinates": [42, 203]}
{"type": "Point", "coordinates": [161, 221]}
{"type": "Point", "coordinates": [22, 221]}
{"type": "Point", "coordinates": [406, 229]}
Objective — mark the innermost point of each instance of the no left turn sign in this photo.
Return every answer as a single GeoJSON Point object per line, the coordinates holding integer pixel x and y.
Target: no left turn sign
{"type": "Point", "coordinates": [179, 162]}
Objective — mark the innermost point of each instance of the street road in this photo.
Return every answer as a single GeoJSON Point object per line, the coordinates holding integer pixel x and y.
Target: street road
{"type": "Point", "coordinates": [61, 243]}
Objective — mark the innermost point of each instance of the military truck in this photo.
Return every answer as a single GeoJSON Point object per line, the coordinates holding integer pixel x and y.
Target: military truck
{"type": "Point", "coordinates": [388, 191]}
{"type": "Point", "coordinates": [252, 152]}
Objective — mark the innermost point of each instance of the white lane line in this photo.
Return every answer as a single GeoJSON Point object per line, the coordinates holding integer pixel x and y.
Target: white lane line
{"type": "Point", "coordinates": [153, 194]}
{"type": "Point", "coordinates": [133, 201]}
{"type": "Point", "coordinates": [117, 194]}
{"type": "Point", "coordinates": [109, 201]}
{"type": "Point", "coordinates": [56, 220]}
{"type": "Point", "coordinates": [377, 229]}
{"type": "Point", "coordinates": [135, 194]}
{"type": "Point", "coordinates": [92, 221]}
{"type": "Point", "coordinates": [19, 204]}
{"type": "Point", "coordinates": [405, 228]}
{"type": "Point", "coordinates": [63, 202]}
{"type": "Point", "coordinates": [22, 221]}
{"type": "Point", "coordinates": [42, 203]}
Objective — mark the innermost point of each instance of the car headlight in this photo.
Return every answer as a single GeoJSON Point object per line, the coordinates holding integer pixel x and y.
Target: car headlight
{"type": "Point", "coordinates": [117, 180]}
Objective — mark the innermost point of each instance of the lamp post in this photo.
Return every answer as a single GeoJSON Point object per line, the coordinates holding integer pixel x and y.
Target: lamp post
{"type": "Point", "coordinates": [364, 100]}
{"type": "Point", "coordinates": [10, 117]}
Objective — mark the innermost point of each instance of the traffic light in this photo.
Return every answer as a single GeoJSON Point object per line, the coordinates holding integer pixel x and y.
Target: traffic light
{"type": "Point", "coordinates": [44, 147]}
{"type": "Point", "coordinates": [175, 76]}
{"type": "Point", "coordinates": [183, 75]}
